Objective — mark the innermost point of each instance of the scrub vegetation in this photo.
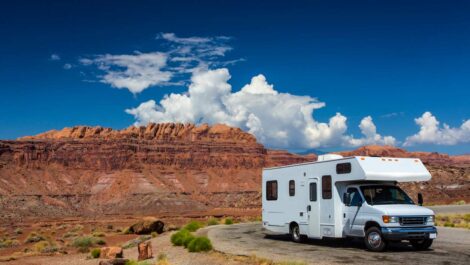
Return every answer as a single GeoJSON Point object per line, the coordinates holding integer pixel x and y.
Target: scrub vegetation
{"type": "Point", "coordinates": [453, 220]}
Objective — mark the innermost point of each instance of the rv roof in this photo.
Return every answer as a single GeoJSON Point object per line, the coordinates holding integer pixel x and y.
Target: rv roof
{"type": "Point", "coordinates": [379, 169]}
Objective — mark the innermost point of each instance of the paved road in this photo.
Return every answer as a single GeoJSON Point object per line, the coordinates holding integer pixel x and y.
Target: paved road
{"type": "Point", "coordinates": [451, 247]}
{"type": "Point", "coordinates": [448, 209]}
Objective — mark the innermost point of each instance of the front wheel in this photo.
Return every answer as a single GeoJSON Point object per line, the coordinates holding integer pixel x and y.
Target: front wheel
{"type": "Point", "coordinates": [295, 233]}
{"type": "Point", "coordinates": [374, 240]}
{"type": "Point", "coordinates": [421, 244]}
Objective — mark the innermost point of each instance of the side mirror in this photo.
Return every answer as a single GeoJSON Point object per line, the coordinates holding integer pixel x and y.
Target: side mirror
{"type": "Point", "coordinates": [420, 199]}
{"type": "Point", "coordinates": [347, 199]}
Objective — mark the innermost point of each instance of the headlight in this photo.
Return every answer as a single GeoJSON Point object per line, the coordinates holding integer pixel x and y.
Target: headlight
{"type": "Point", "coordinates": [431, 219]}
{"type": "Point", "coordinates": [390, 219]}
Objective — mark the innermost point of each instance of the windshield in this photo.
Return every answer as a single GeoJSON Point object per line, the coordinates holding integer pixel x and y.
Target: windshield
{"type": "Point", "coordinates": [377, 195]}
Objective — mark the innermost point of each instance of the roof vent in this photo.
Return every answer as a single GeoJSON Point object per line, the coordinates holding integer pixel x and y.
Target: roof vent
{"type": "Point", "coordinates": [329, 157]}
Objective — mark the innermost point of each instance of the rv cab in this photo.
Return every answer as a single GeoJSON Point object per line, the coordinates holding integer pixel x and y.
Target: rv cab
{"type": "Point", "coordinates": [348, 197]}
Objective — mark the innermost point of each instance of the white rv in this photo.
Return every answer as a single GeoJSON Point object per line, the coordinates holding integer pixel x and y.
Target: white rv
{"type": "Point", "coordinates": [348, 197]}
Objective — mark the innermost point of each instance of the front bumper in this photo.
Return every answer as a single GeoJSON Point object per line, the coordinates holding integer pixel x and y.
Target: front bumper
{"type": "Point", "coordinates": [409, 233]}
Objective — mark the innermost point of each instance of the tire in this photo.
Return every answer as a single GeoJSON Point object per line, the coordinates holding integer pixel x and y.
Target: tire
{"type": "Point", "coordinates": [374, 240]}
{"type": "Point", "coordinates": [295, 233]}
{"type": "Point", "coordinates": [421, 244]}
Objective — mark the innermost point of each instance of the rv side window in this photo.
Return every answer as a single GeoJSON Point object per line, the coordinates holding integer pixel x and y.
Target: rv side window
{"type": "Point", "coordinates": [291, 188]}
{"type": "Point", "coordinates": [271, 190]}
{"type": "Point", "coordinates": [326, 187]}
{"type": "Point", "coordinates": [313, 192]}
{"type": "Point", "coordinates": [343, 168]}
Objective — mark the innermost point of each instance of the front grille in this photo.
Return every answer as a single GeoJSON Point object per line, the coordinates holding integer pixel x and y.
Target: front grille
{"type": "Point", "coordinates": [413, 220]}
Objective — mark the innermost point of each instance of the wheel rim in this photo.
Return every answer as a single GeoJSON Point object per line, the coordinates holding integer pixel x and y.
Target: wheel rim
{"type": "Point", "coordinates": [296, 232]}
{"type": "Point", "coordinates": [374, 239]}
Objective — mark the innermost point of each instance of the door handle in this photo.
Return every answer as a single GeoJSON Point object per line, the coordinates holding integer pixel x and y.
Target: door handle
{"type": "Point", "coordinates": [309, 208]}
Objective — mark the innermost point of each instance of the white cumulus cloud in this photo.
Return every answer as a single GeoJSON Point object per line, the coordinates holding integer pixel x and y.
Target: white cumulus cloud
{"type": "Point", "coordinates": [54, 57]}
{"type": "Point", "coordinates": [139, 71]}
{"type": "Point", "coordinates": [277, 119]}
{"type": "Point", "coordinates": [431, 133]}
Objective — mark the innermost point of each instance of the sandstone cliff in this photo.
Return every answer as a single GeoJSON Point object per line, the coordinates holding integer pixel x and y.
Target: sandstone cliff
{"type": "Point", "coordinates": [166, 169]}
{"type": "Point", "coordinates": [161, 168]}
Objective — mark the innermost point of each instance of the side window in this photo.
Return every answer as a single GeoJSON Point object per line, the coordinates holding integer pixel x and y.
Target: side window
{"type": "Point", "coordinates": [343, 168]}
{"type": "Point", "coordinates": [355, 196]}
{"type": "Point", "coordinates": [291, 188]}
{"type": "Point", "coordinates": [326, 187]}
{"type": "Point", "coordinates": [271, 190]}
{"type": "Point", "coordinates": [313, 192]}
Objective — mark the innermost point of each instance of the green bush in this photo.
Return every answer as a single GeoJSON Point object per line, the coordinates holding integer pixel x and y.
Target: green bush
{"type": "Point", "coordinates": [154, 234]}
{"type": "Point", "coordinates": [95, 253]}
{"type": "Point", "coordinates": [178, 238]}
{"type": "Point", "coordinates": [228, 221]}
{"type": "Point", "coordinates": [45, 247]}
{"type": "Point", "coordinates": [212, 221]}
{"type": "Point", "coordinates": [18, 231]}
{"type": "Point", "coordinates": [199, 244]}
{"type": "Point", "coordinates": [188, 240]}
{"type": "Point", "coordinates": [193, 226]}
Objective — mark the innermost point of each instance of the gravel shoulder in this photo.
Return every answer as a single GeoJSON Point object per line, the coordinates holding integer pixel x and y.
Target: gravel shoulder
{"type": "Point", "coordinates": [451, 247]}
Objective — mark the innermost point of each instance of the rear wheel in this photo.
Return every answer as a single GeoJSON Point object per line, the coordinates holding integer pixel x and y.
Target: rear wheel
{"type": "Point", "coordinates": [295, 233]}
{"type": "Point", "coordinates": [374, 240]}
{"type": "Point", "coordinates": [421, 244]}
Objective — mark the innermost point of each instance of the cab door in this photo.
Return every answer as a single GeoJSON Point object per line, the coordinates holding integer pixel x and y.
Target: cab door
{"type": "Point", "coordinates": [352, 224]}
{"type": "Point", "coordinates": [313, 209]}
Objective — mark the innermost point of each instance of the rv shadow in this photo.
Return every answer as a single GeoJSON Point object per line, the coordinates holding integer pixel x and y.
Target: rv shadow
{"type": "Point", "coordinates": [355, 243]}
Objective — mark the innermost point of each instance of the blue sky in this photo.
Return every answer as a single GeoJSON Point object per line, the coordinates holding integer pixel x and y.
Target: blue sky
{"type": "Point", "coordinates": [390, 60]}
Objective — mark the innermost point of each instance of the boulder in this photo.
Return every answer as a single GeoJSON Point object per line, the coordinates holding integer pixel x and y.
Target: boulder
{"type": "Point", "coordinates": [111, 253]}
{"type": "Point", "coordinates": [147, 226]}
{"type": "Point", "coordinates": [145, 250]}
{"type": "Point", "coordinates": [114, 262]}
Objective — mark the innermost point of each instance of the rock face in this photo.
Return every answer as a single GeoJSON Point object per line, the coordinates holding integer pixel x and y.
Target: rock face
{"type": "Point", "coordinates": [155, 169]}
{"type": "Point", "coordinates": [147, 226]}
{"type": "Point", "coordinates": [111, 253]}
{"type": "Point", "coordinates": [166, 169]}
{"type": "Point", "coordinates": [145, 250]}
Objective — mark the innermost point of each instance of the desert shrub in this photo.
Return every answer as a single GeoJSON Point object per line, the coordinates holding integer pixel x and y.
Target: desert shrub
{"type": "Point", "coordinates": [461, 202]}
{"type": "Point", "coordinates": [466, 217]}
{"type": "Point", "coordinates": [18, 231]}
{"type": "Point", "coordinates": [212, 221]}
{"type": "Point", "coordinates": [178, 238]}
{"type": "Point", "coordinates": [45, 247]}
{"type": "Point", "coordinates": [83, 241]}
{"type": "Point", "coordinates": [134, 242]}
{"type": "Point", "coordinates": [34, 237]}
{"type": "Point", "coordinates": [77, 228]}
{"type": "Point", "coordinates": [228, 221]}
{"type": "Point", "coordinates": [193, 226]}
{"type": "Point", "coordinates": [99, 234]}
{"type": "Point", "coordinates": [95, 253]}
{"type": "Point", "coordinates": [188, 240]}
{"type": "Point", "coordinates": [199, 244]}
{"type": "Point", "coordinates": [70, 234]}
{"type": "Point", "coordinates": [100, 241]}
{"type": "Point", "coordinates": [162, 259]}
{"type": "Point", "coordinates": [154, 234]}
{"type": "Point", "coordinates": [8, 243]}
{"type": "Point", "coordinates": [110, 227]}
{"type": "Point", "coordinates": [449, 224]}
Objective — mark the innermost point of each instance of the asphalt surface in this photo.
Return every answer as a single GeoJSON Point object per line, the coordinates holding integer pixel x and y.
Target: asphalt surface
{"type": "Point", "coordinates": [451, 247]}
{"type": "Point", "coordinates": [450, 209]}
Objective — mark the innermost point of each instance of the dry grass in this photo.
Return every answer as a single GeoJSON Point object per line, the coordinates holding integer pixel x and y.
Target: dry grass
{"type": "Point", "coordinates": [453, 220]}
